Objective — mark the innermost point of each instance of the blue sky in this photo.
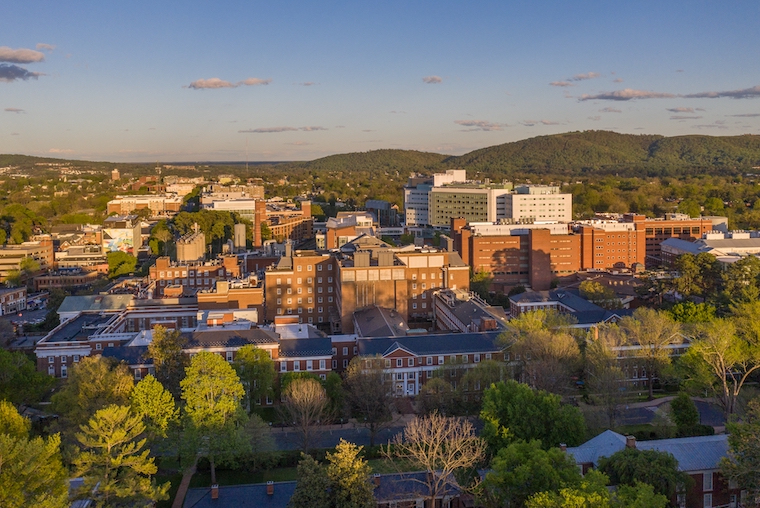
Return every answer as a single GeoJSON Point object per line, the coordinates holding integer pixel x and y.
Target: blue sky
{"type": "Point", "coordinates": [206, 81]}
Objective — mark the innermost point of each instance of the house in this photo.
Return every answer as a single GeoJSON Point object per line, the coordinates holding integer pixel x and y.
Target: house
{"type": "Point", "coordinates": [699, 457]}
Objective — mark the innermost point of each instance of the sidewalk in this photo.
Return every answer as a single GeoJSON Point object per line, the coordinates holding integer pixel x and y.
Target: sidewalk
{"type": "Point", "coordinates": [179, 498]}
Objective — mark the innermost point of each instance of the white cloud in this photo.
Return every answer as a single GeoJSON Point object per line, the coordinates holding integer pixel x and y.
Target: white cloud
{"type": "Point", "coordinates": [746, 93]}
{"type": "Point", "coordinates": [595, 118]}
{"type": "Point", "coordinates": [561, 83]}
{"type": "Point", "coordinates": [582, 77]}
{"type": "Point", "coordinates": [532, 123]}
{"type": "Point", "coordinates": [213, 83]}
{"type": "Point", "coordinates": [432, 80]}
{"type": "Point", "coordinates": [745, 115]}
{"type": "Point", "coordinates": [626, 95]}
{"type": "Point", "coordinates": [480, 125]}
{"type": "Point", "coordinates": [20, 55]}
{"type": "Point", "coordinates": [617, 80]}
{"type": "Point", "coordinates": [610, 110]}
{"type": "Point", "coordinates": [45, 47]}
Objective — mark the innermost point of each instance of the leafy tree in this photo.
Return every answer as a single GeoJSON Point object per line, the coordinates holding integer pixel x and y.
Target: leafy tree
{"type": "Point", "coordinates": [369, 393]}
{"type": "Point", "coordinates": [605, 380]}
{"type": "Point", "coordinates": [437, 395]}
{"type": "Point", "coordinates": [256, 371]}
{"type": "Point", "coordinates": [698, 275]}
{"type": "Point", "coordinates": [266, 232]}
{"type": "Point", "coordinates": [639, 495]}
{"type": "Point", "coordinates": [336, 394]}
{"type": "Point", "coordinates": [599, 294]}
{"type": "Point", "coordinates": [480, 283]}
{"type": "Point", "coordinates": [312, 488]}
{"type": "Point", "coordinates": [212, 393]}
{"type": "Point", "coordinates": [653, 331]}
{"type": "Point", "coordinates": [658, 469]}
{"type": "Point", "coordinates": [114, 460]}
{"type": "Point", "coordinates": [120, 263]}
{"type": "Point", "coordinates": [29, 266]}
{"type": "Point", "coordinates": [513, 411]}
{"type": "Point", "coordinates": [14, 278]}
{"type": "Point", "coordinates": [590, 492]}
{"type": "Point", "coordinates": [542, 348]}
{"type": "Point", "coordinates": [684, 411]}
{"type": "Point", "coordinates": [690, 312]}
{"type": "Point", "coordinates": [156, 405]}
{"type": "Point", "coordinates": [20, 382]}
{"type": "Point", "coordinates": [305, 405]}
{"type": "Point", "coordinates": [11, 422]}
{"type": "Point", "coordinates": [169, 360]}
{"type": "Point", "coordinates": [721, 361]}
{"type": "Point", "coordinates": [349, 477]}
{"type": "Point", "coordinates": [441, 446]}
{"type": "Point", "coordinates": [740, 282]}
{"type": "Point", "coordinates": [743, 461]}
{"type": "Point", "coordinates": [523, 469]}
{"type": "Point", "coordinates": [32, 472]}
{"type": "Point", "coordinates": [93, 383]}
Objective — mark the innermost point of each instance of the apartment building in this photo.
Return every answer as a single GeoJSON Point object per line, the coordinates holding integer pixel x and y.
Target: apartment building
{"type": "Point", "coordinates": [12, 300]}
{"type": "Point", "coordinates": [417, 190]}
{"type": "Point", "coordinates": [158, 204]}
{"type": "Point", "coordinates": [190, 277]}
{"type": "Point", "coordinates": [122, 233]}
{"type": "Point", "coordinates": [39, 248]}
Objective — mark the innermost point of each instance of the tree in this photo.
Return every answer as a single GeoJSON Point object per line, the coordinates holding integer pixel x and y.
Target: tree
{"type": "Point", "coordinates": [113, 463]}
{"type": "Point", "coordinates": [437, 395]}
{"type": "Point", "coordinates": [349, 477]}
{"type": "Point", "coordinates": [11, 422]}
{"type": "Point", "coordinates": [599, 294]}
{"type": "Point", "coordinates": [590, 492]}
{"type": "Point", "coordinates": [691, 313]}
{"type": "Point", "coordinates": [514, 411]}
{"type": "Point", "coordinates": [442, 446]}
{"type": "Point", "coordinates": [304, 404]}
{"type": "Point", "coordinates": [742, 464]}
{"type": "Point", "coordinates": [480, 283]}
{"type": "Point", "coordinates": [120, 263]}
{"type": "Point", "coordinates": [13, 278]}
{"type": "Point", "coordinates": [740, 282]}
{"type": "Point", "coordinates": [523, 469]}
{"type": "Point", "coordinates": [312, 486]}
{"type": "Point", "coordinates": [256, 371]}
{"type": "Point", "coordinates": [212, 393]}
{"type": "Point", "coordinates": [653, 331]}
{"type": "Point", "coordinates": [266, 232]}
{"type": "Point", "coordinates": [20, 382]}
{"type": "Point", "coordinates": [169, 361]}
{"type": "Point", "coordinates": [369, 393]}
{"type": "Point", "coordinates": [658, 469]}
{"type": "Point", "coordinates": [29, 266]}
{"type": "Point", "coordinates": [698, 275]}
{"type": "Point", "coordinates": [543, 350]}
{"type": "Point", "coordinates": [638, 495]}
{"type": "Point", "coordinates": [93, 383]}
{"type": "Point", "coordinates": [684, 411]}
{"type": "Point", "coordinates": [605, 380]}
{"type": "Point", "coordinates": [721, 361]}
{"type": "Point", "coordinates": [156, 405]}
{"type": "Point", "coordinates": [32, 472]}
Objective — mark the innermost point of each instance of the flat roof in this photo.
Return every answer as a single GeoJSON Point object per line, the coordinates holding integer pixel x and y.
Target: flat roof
{"type": "Point", "coordinates": [78, 329]}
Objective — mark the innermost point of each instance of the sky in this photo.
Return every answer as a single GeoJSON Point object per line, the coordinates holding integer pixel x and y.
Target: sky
{"type": "Point", "coordinates": [194, 81]}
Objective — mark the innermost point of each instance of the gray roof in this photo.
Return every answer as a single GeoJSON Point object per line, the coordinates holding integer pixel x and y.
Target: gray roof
{"type": "Point", "coordinates": [78, 329]}
{"type": "Point", "coordinates": [95, 303]}
{"type": "Point", "coordinates": [685, 245]}
{"type": "Point", "coordinates": [380, 322]}
{"type": "Point", "coordinates": [433, 344]}
{"type": "Point", "coordinates": [295, 348]}
{"type": "Point", "coordinates": [131, 355]}
{"type": "Point", "coordinates": [469, 311]}
{"type": "Point", "coordinates": [229, 338]}
{"type": "Point", "coordinates": [243, 496]}
{"type": "Point", "coordinates": [700, 453]}
{"type": "Point", "coordinates": [408, 486]}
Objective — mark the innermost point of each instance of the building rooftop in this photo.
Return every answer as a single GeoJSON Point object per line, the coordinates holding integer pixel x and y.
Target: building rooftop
{"type": "Point", "coordinates": [77, 329]}
{"type": "Point", "coordinates": [295, 348]}
{"type": "Point", "coordinates": [95, 303]}
{"type": "Point", "coordinates": [431, 344]}
{"type": "Point", "coordinates": [222, 337]}
{"type": "Point", "coordinates": [379, 322]}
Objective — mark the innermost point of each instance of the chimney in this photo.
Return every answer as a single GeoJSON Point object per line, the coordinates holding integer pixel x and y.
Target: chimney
{"type": "Point", "coordinates": [563, 447]}
{"type": "Point", "coordinates": [215, 491]}
{"type": "Point", "coordinates": [376, 478]}
{"type": "Point", "coordinates": [270, 488]}
{"type": "Point", "coordinates": [630, 441]}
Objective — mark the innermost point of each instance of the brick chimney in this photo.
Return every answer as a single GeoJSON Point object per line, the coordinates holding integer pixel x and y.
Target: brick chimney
{"type": "Point", "coordinates": [563, 447]}
{"type": "Point", "coordinates": [215, 491]}
{"type": "Point", "coordinates": [630, 441]}
{"type": "Point", "coordinates": [376, 479]}
{"type": "Point", "coordinates": [270, 488]}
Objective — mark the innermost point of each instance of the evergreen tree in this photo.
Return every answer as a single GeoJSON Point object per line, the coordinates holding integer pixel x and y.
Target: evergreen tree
{"type": "Point", "coordinates": [349, 474]}
{"type": "Point", "coordinates": [32, 473]}
{"type": "Point", "coordinates": [11, 422]}
{"type": "Point", "coordinates": [113, 461]}
{"type": "Point", "coordinates": [312, 488]}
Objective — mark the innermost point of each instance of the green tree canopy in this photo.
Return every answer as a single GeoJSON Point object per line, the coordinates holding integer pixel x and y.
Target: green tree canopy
{"type": "Point", "coordinates": [312, 488]}
{"type": "Point", "coordinates": [658, 469]}
{"type": "Point", "coordinates": [156, 405]}
{"type": "Point", "coordinates": [743, 461]}
{"type": "Point", "coordinates": [683, 411]}
{"type": "Point", "coordinates": [113, 458]}
{"type": "Point", "coordinates": [20, 382]}
{"type": "Point", "coordinates": [599, 294]}
{"type": "Point", "coordinates": [349, 476]}
{"type": "Point", "coordinates": [32, 472]}
{"type": "Point", "coordinates": [369, 393]}
{"type": "Point", "coordinates": [257, 373]}
{"type": "Point", "coordinates": [169, 360]}
{"type": "Point", "coordinates": [11, 422]}
{"type": "Point", "coordinates": [120, 263]}
{"type": "Point", "coordinates": [513, 411]}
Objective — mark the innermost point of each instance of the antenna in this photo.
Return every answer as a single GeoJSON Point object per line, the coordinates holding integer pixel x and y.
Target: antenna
{"type": "Point", "coordinates": [246, 154]}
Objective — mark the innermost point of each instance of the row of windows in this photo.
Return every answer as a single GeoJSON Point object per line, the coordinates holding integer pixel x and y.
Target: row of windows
{"type": "Point", "coordinates": [289, 301]}
{"type": "Point", "coordinates": [185, 273]}
{"type": "Point", "coordinates": [430, 360]}
{"type": "Point", "coordinates": [297, 365]}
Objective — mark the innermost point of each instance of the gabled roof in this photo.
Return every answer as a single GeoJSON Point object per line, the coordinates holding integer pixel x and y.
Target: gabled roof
{"type": "Point", "coordinates": [379, 322]}
{"type": "Point", "coordinates": [432, 344]}
{"type": "Point", "coordinates": [221, 337]}
{"type": "Point", "coordinates": [132, 355]}
{"type": "Point", "coordinates": [297, 348]}
{"type": "Point", "coordinates": [699, 453]}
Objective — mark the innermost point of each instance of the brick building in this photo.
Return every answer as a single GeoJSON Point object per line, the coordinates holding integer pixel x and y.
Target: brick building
{"type": "Point", "coordinates": [158, 204]}
{"type": "Point", "coordinates": [39, 248]}
{"type": "Point", "coordinates": [191, 277]}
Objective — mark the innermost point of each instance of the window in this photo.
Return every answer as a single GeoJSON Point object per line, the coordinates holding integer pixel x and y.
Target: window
{"type": "Point", "coordinates": [356, 350]}
{"type": "Point", "coordinates": [345, 364]}
{"type": "Point", "coordinates": [387, 363]}
{"type": "Point", "coordinates": [308, 268]}
{"type": "Point", "coordinates": [279, 291]}
{"type": "Point", "coordinates": [334, 351]}
{"type": "Point", "coordinates": [488, 356]}
{"type": "Point", "coordinates": [299, 268]}
{"type": "Point", "coordinates": [279, 301]}
{"type": "Point", "coordinates": [440, 360]}
{"type": "Point", "coordinates": [322, 365]}
{"type": "Point", "coordinates": [309, 365]}
{"type": "Point", "coordinates": [707, 482]}
{"type": "Point", "coordinates": [329, 289]}
{"type": "Point", "coordinates": [345, 351]}
{"type": "Point", "coordinates": [399, 362]}
{"type": "Point", "coordinates": [329, 299]}
{"type": "Point", "coordinates": [138, 375]}
{"type": "Point", "coordinates": [329, 280]}
{"type": "Point", "coordinates": [334, 362]}
{"type": "Point", "coordinates": [476, 359]}
{"type": "Point", "coordinates": [707, 501]}
{"type": "Point", "coordinates": [64, 372]}
{"type": "Point", "coordinates": [63, 359]}
{"type": "Point", "coordinates": [399, 377]}
{"type": "Point", "coordinates": [300, 301]}
{"type": "Point", "coordinates": [429, 360]}
{"type": "Point", "coordinates": [283, 366]}
{"type": "Point", "coordinates": [76, 358]}
{"type": "Point", "coordinates": [297, 365]}
{"type": "Point", "coordinates": [319, 280]}
{"type": "Point", "coordinates": [51, 359]}
{"type": "Point", "coordinates": [410, 362]}
{"type": "Point", "coordinates": [98, 346]}
{"type": "Point", "coordinates": [465, 358]}
{"type": "Point", "coordinates": [229, 356]}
